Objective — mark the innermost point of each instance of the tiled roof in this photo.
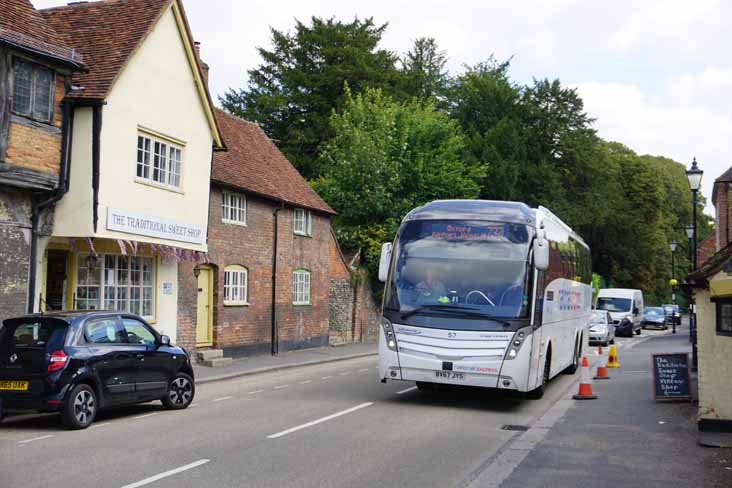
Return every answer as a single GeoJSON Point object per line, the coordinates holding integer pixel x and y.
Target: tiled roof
{"type": "Point", "coordinates": [23, 26]}
{"type": "Point", "coordinates": [253, 163]}
{"type": "Point", "coordinates": [106, 33]}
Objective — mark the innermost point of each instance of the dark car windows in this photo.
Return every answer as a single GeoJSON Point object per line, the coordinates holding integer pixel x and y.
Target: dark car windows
{"type": "Point", "coordinates": [138, 333]}
{"type": "Point", "coordinates": [105, 331]}
{"type": "Point", "coordinates": [33, 334]}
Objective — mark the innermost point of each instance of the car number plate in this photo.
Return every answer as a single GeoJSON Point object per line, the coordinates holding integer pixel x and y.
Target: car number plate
{"type": "Point", "coordinates": [450, 375]}
{"type": "Point", "coordinates": [14, 385]}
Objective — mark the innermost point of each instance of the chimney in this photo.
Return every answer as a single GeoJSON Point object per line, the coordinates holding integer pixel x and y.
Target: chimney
{"type": "Point", "coordinates": [204, 66]}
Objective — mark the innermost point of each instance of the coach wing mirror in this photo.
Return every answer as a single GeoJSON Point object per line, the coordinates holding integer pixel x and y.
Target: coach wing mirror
{"type": "Point", "coordinates": [541, 251]}
{"type": "Point", "coordinates": [384, 261]}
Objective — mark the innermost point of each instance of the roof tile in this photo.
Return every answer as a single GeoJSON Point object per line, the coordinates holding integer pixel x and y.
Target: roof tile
{"type": "Point", "coordinates": [106, 33]}
{"type": "Point", "coordinates": [23, 26]}
{"type": "Point", "coordinates": [252, 162]}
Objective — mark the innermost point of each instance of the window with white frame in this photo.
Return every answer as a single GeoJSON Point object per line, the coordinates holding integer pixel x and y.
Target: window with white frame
{"type": "Point", "coordinates": [303, 222]}
{"type": "Point", "coordinates": [235, 285]}
{"type": "Point", "coordinates": [32, 90]}
{"type": "Point", "coordinates": [159, 161]}
{"type": "Point", "coordinates": [233, 208]}
{"type": "Point", "coordinates": [114, 282]}
{"type": "Point", "coordinates": [301, 287]}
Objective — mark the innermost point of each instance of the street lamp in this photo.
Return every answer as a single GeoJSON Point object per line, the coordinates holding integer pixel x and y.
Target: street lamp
{"type": "Point", "coordinates": [694, 175]}
{"type": "Point", "coordinates": [673, 282]}
{"type": "Point", "coordinates": [690, 235]}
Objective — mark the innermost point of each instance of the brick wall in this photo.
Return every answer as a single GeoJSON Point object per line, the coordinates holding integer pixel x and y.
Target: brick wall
{"type": "Point", "coordinates": [715, 361]}
{"type": "Point", "coordinates": [245, 330]}
{"type": "Point", "coordinates": [706, 249]}
{"type": "Point", "coordinates": [14, 252]}
{"type": "Point", "coordinates": [721, 204]}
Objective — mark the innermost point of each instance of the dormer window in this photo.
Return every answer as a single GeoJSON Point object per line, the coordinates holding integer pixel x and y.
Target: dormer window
{"type": "Point", "coordinates": [32, 91]}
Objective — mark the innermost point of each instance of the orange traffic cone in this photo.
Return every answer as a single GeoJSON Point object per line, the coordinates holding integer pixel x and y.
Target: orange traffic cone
{"type": "Point", "coordinates": [585, 387]}
{"type": "Point", "coordinates": [602, 372]}
{"type": "Point", "coordinates": [612, 360]}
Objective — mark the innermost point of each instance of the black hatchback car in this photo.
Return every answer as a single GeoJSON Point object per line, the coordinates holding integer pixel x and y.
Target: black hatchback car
{"type": "Point", "coordinates": [79, 362]}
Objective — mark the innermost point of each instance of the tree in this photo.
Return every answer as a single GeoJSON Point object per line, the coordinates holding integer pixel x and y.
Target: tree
{"type": "Point", "coordinates": [301, 79]}
{"type": "Point", "coordinates": [423, 70]}
{"type": "Point", "coordinates": [486, 104]}
{"type": "Point", "coordinates": [385, 158]}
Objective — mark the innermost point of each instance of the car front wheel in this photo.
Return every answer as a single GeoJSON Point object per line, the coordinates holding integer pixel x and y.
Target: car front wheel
{"type": "Point", "coordinates": [81, 408]}
{"type": "Point", "coordinates": [180, 392]}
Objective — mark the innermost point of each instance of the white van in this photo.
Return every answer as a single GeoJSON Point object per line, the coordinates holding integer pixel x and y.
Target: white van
{"type": "Point", "coordinates": [622, 303]}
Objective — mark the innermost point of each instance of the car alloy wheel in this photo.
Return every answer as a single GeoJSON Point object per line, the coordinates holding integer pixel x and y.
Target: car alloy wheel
{"type": "Point", "coordinates": [85, 406]}
{"type": "Point", "coordinates": [181, 391]}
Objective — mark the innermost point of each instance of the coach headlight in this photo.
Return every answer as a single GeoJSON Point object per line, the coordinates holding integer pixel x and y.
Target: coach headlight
{"type": "Point", "coordinates": [389, 334]}
{"type": "Point", "coordinates": [518, 340]}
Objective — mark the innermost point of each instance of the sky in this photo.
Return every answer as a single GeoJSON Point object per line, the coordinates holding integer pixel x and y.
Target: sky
{"type": "Point", "coordinates": [657, 74]}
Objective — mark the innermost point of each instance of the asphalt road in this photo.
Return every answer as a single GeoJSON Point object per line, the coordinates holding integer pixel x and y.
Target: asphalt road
{"type": "Point", "coordinates": [316, 426]}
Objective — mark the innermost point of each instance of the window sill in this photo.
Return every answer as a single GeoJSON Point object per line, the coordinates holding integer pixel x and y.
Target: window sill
{"type": "Point", "coordinates": [301, 304]}
{"type": "Point", "coordinates": [234, 222]}
{"type": "Point", "coordinates": [303, 235]}
{"type": "Point", "coordinates": [160, 186]}
{"type": "Point", "coordinates": [236, 304]}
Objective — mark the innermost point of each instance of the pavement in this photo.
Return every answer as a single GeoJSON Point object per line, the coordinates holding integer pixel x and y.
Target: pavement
{"type": "Point", "coordinates": [622, 439]}
{"type": "Point", "coordinates": [290, 359]}
{"type": "Point", "coordinates": [334, 424]}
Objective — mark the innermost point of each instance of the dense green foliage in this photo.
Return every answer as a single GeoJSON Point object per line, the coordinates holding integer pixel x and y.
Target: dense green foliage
{"type": "Point", "coordinates": [378, 135]}
{"type": "Point", "coordinates": [385, 159]}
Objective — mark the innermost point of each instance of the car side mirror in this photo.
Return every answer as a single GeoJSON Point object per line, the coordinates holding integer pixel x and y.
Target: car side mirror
{"type": "Point", "coordinates": [635, 311]}
{"type": "Point", "coordinates": [384, 261]}
{"type": "Point", "coordinates": [164, 340]}
{"type": "Point", "coordinates": [541, 253]}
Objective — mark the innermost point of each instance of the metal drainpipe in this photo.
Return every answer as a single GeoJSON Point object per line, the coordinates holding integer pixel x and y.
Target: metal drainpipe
{"type": "Point", "coordinates": [67, 121]}
{"type": "Point", "coordinates": [275, 336]}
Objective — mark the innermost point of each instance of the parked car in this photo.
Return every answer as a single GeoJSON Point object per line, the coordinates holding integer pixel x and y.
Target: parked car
{"type": "Point", "coordinates": [655, 318]}
{"type": "Point", "coordinates": [602, 329]}
{"type": "Point", "coordinates": [625, 306]}
{"type": "Point", "coordinates": [77, 363]}
{"type": "Point", "coordinates": [673, 313]}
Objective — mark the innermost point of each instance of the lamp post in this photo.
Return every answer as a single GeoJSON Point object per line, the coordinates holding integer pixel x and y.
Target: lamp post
{"type": "Point", "coordinates": [672, 281]}
{"type": "Point", "coordinates": [694, 175]}
{"type": "Point", "coordinates": [690, 235]}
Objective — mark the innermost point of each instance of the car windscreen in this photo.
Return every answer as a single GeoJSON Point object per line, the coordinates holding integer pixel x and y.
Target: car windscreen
{"type": "Point", "coordinates": [32, 333]}
{"type": "Point", "coordinates": [475, 266]}
{"type": "Point", "coordinates": [653, 312]}
{"type": "Point", "coordinates": [599, 317]}
{"type": "Point", "coordinates": [613, 304]}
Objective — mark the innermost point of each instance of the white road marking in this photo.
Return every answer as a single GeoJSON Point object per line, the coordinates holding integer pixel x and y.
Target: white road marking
{"type": "Point", "coordinates": [407, 390]}
{"type": "Point", "coordinates": [306, 382]}
{"type": "Point", "coordinates": [320, 420]}
{"type": "Point", "coordinates": [345, 373]}
{"type": "Point", "coordinates": [255, 391]}
{"type": "Point", "coordinates": [222, 399]}
{"type": "Point", "coordinates": [35, 439]}
{"type": "Point", "coordinates": [326, 377]}
{"type": "Point", "coordinates": [160, 476]}
{"type": "Point", "coordinates": [280, 387]}
{"type": "Point", "coordinates": [636, 372]}
{"type": "Point", "coordinates": [101, 425]}
{"type": "Point", "coordinates": [146, 415]}
{"type": "Point", "coordinates": [363, 370]}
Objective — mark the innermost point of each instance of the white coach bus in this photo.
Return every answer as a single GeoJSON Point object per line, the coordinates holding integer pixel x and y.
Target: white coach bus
{"type": "Point", "coordinates": [483, 293]}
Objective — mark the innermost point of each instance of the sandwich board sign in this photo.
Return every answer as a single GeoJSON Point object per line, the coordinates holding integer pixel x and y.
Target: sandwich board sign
{"type": "Point", "coordinates": [671, 376]}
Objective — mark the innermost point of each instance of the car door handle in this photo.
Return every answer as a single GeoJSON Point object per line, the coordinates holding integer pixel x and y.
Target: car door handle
{"type": "Point", "coordinates": [140, 356]}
